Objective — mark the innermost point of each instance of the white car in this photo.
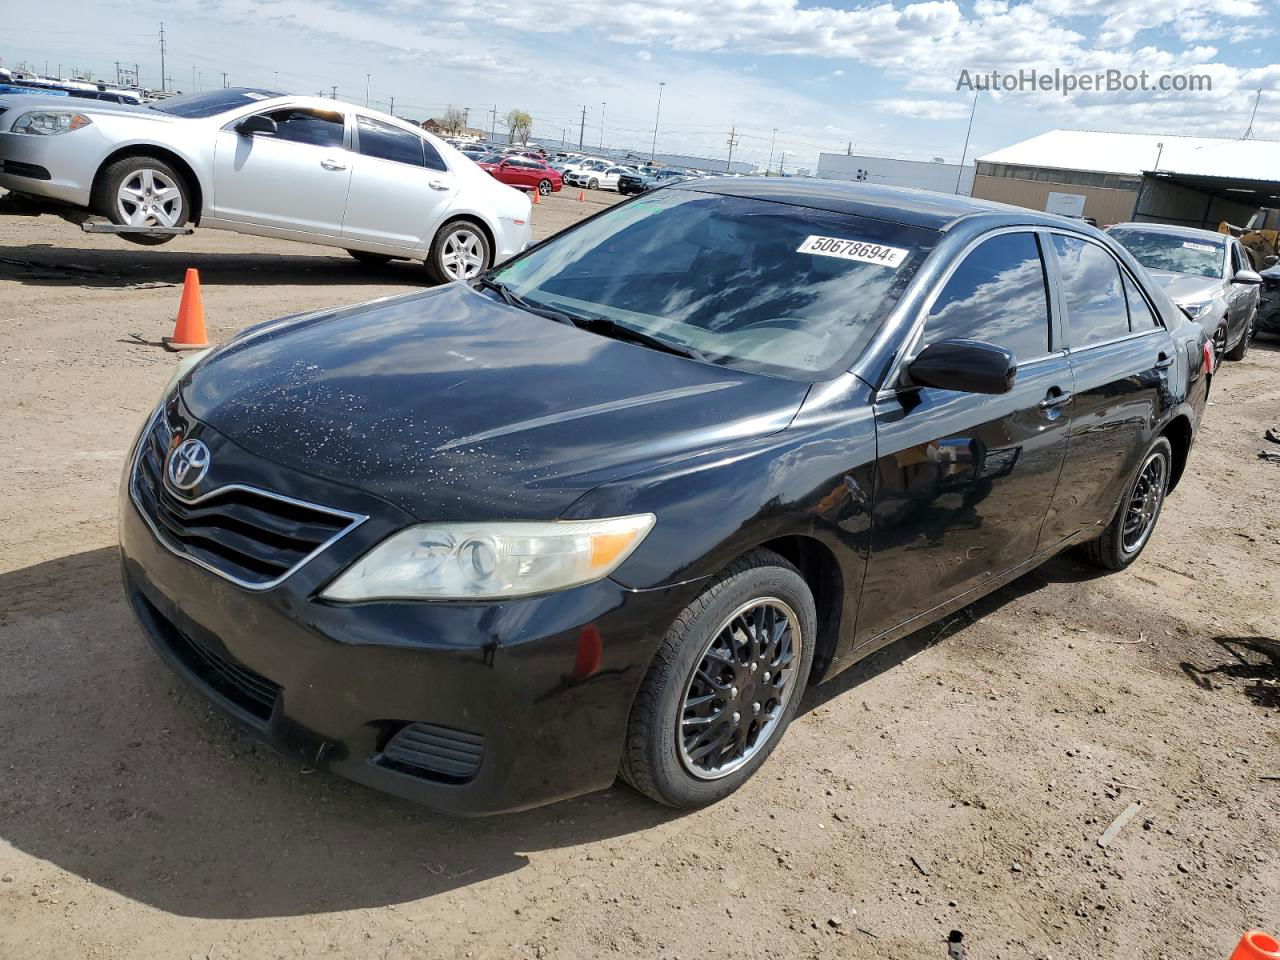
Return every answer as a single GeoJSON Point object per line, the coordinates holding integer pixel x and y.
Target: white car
{"type": "Point", "coordinates": [596, 174]}
{"type": "Point", "coordinates": [257, 162]}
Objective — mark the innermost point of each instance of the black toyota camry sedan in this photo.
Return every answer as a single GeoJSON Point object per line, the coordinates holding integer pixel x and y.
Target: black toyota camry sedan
{"type": "Point", "coordinates": [609, 509]}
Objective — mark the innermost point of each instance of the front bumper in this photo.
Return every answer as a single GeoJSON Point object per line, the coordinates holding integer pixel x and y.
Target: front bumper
{"type": "Point", "coordinates": [544, 685]}
{"type": "Point", "coordinates": [70, 161]}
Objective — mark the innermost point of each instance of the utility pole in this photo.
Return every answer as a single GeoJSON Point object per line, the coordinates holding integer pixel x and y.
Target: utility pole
{"type": "Point", "coordinates": [582, 127]}
{"type": "Point", "coordinates": [781, 160]}
{"type": "Point", "coordinates": [965, 152]}
{"type": "Point", "coordinates": [162, 73]}
{"type": "Point", "coordinates": [117, 73]}
{"type": "Point", "coordinates": [367, 78]}
{"type": "Point", "coordinates": [848, 151]}
{"type": "Point", "coordinates": [493, 124]}
{"type": "Point", "coordinates": [224, 79]}
{"type": "Point", "coordinates": [392, 111]}
{"type": "Point", "coordinates": [733, 142]}
{"type": "Point", "coordinates": [193, 80]}
{"type": "Point", "coordinates": [276, 79]}
{"type": "Point", "coordinates": [602, 106]}
{"type": "Point", "coordinates": [333, 92]}
{"type": "Point", "coordinates": [773, 136]}
{"type": "Point", "coordinates": [653, 149]}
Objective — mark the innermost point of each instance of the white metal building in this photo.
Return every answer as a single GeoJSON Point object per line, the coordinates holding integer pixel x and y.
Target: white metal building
{"type": "Point", "coordinates": [922, 174]}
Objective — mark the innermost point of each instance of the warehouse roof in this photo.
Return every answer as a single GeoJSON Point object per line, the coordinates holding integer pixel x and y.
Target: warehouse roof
{"type": "Point", "coordinates": [1135, 153]}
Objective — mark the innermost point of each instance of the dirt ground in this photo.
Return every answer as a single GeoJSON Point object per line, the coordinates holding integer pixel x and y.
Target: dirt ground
{"type": "Point", "coordinates": [959, 780]}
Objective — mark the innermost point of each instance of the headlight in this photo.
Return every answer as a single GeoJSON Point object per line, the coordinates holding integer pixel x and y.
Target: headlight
{"type": "Point", "coordinates": [490, 561]}
{"type": "Point", "coordinates": [50, 123]}
{"type": "Point", "coordinates": [1195, 309]}
{"type": "Point", "coordinates": [188, 361]}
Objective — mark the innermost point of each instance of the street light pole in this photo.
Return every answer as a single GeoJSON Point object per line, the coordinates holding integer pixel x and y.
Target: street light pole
{"type": "Point", "coordinates": [772, 138]}
{"type": "Point", "coordinates": [602, 106]}
{"type": "Point", "coordinates": [367, 76]}
{"type": "Point", "coordinates": [653, 150]}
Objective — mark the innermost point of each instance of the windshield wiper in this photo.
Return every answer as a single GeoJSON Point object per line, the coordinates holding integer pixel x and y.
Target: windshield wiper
{"type": "Point", "coordinates": [514, 299]}
{"type": "Point", "coordinates": [611, 328]}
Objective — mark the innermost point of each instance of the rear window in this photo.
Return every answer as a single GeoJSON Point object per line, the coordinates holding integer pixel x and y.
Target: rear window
{"type": "Point", "coordinates": [752, 284]}
{"type": "Point", "coordinates": [213, 102]}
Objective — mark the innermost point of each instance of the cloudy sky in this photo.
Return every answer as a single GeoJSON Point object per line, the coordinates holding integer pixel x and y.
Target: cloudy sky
{"type": "Point", "coordinates": [880, 75]}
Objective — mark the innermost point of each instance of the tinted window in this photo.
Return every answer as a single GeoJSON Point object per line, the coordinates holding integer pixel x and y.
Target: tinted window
{"type": "Point", "coordinates": [382, 140]}
{"type": "Point", "coordinates": [1238, 260]}
{"type": "Point", "coordinates": [1141, 316]}
{"type": "Point", "coordinates": [997, 295]}
{"type": "Point", "coordinates": [1189, 253]}
{"type": "Point", "coordinates": [1096, 308]}
{"type": "Point", "coordinates": [752, 284]}
{"type": "Point", "coordinates": [211, 103]}
{"type": "Point", "coordinates": [321, 128]}
{"type": "Point", "coordinates": [432, 156]}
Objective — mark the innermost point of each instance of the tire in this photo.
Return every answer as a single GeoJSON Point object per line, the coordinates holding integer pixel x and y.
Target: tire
{"type": "Point", "coordinates": [1241, 349]}
{"type": "Point", "coordinates": [657, 760]}
{"type": "Point", "coordinates": [1115, 549]}
{"type": "Point", "coordinates": [544, 187]}
{"type": "Point", "coordinates": [371, 259]}
{"type": "Point", "coordinates": [460, 251]}
{"type": "Point", "coordinates": [593, 183]}
{"type": "Point", "coordinates": [121, 195]}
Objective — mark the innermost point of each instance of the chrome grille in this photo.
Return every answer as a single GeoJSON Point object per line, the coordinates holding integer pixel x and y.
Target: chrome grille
{"type": "Point", "coordinates": [250, 536]}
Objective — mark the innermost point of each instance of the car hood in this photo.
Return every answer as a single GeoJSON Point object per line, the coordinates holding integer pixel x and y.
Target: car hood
{"type": "Point", "coordinates": [452, 406]}
{"type": "Point", "coordinates": [1187, 287]}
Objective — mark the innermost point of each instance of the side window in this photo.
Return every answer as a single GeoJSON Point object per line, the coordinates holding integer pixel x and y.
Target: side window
{"type": "Point", "coordinates": [997, 295]}
{"type": "Point", "coordinates": [432, 157]}
{"type": "Point", "coordinates": [1095, 304]}
{"type": "Point", "coordinates": [1141, 316]}
{"type": "Point", "coordinates": [382, 140]}
{"type": "Point", "coordinates": [319, 128]}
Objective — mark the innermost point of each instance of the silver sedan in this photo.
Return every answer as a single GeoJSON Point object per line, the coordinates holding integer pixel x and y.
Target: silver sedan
{"type": "Point", "coordinates": [258, 162]}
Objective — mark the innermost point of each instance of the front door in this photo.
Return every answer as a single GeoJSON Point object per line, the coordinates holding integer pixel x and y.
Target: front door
{"type": "Point", "coordinates": [294, 179]}
{"type": "Point", "coordinates": [401, 187]}
{"type": "Point", "coordinates": [963, 481]}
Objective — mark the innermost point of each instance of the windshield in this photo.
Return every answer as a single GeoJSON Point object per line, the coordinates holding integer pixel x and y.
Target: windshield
{"type": "Point", "coordinates": [1200, 257]}
{"type": "Point", "coordinates": [752, 284]}
{"type": "Point", "coordinates": [199, 105]}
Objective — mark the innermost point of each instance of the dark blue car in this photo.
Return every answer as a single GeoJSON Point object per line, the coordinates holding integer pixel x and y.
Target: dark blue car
{"type": "Point", "coordinates": [611, 508]}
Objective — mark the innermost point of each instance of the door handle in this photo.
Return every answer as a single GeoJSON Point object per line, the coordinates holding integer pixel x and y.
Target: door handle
{"type": "Point", "coordinates": [1163, 361]}
{"type": "Point", "coordinates": [1055, 400]}
{"type": "Point", "coordinates": [332, 164]}
{"type": "Point", "coordinates": [437, 185]}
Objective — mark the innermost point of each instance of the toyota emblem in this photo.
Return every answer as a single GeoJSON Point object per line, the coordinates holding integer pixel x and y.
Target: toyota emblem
{"type": "Point", "coordinates": [188, 464]}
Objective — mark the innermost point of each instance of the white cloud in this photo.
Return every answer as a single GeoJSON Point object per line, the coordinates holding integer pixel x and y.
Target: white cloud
{"type": "Point", "coordinates": [923, 109]}
{"type": "Point", "coordinates": [837, 73]}
{"type": "Point", "coordinates": [644, 55]}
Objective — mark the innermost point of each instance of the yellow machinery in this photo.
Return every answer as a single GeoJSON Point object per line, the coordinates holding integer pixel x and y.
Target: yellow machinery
{"type": "Point", "coordinates": [1261, 237]}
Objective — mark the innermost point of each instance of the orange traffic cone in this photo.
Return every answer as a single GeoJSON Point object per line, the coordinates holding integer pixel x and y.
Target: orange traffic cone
{"type": "Point", "coordinates": [1256, 945]}
{"type": "Point", "coordinates": [582, 195]}
{"type": "Point", "coordinates": [536, 194]}
{"type": "Point", "coordinates": [189, 332]}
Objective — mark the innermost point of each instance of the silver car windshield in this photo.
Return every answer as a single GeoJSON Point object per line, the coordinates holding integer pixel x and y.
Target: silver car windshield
{"type": "Point", "coordinates": [753, 284]}
{"type": "Point", "coordinates": [1198, 256]}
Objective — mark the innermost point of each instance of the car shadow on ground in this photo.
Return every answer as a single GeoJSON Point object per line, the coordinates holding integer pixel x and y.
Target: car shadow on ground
{"type": "Point", "coordinates": [47, 265]}
{"type": "Point", "coordinates": [1253, 661]}
{"type": "Point", "coordinates": [121, 774]}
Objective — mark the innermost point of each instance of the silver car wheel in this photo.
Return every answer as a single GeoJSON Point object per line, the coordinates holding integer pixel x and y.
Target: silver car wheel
{"type": "Point", "coordinates": [463, 255]}
{"type": "Point", "coordinates": [148, 198]}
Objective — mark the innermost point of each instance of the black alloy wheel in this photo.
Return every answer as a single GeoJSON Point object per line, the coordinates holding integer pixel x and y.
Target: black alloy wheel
{"type": "Point", "coordinates": [1130, 529]}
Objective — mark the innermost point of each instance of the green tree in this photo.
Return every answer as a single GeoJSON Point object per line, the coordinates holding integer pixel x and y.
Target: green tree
{"type": "Point", "coordinates": [518, 124]}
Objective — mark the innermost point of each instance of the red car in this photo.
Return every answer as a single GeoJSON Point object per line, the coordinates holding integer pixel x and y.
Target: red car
{"type": "Point", "coordinates": [524, 173]}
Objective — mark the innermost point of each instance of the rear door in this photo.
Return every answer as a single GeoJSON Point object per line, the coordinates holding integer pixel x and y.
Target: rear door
{"type": "Point", "coordinates": [963, 481]}
{"type": "Point", "coordinates": [401, 187]}
{"type": "Point", "coordinates": [294, 179]}
{"type": "Point", "coordinates": [1120, 357]}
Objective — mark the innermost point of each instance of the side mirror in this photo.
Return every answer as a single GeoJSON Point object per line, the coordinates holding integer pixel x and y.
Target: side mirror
{"type": "Point", "coordinates": [1269, 262]}
{"type": "Point", "coordinates": [1246, 276]}
{"type": "Point", "coordinates": [255, 124]}
{"type": "Point", "coordinates": [967, 366]}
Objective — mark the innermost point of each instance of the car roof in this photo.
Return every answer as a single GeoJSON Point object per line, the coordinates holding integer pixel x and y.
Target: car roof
{"type": "Point", "coordinates": [1172, 229]}
{"type": "Point", "coordinates": [917, 208]}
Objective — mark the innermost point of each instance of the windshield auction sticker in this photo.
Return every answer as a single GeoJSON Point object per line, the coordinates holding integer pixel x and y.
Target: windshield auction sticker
{"type": "Point", "coordinates": [859, 250]}
{"type": "Point", "coordinates": [1203, 247]}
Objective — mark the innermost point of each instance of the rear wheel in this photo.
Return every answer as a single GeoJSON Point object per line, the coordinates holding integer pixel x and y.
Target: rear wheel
{"type": "Point", "coordinates": [1130, 529]}
{"type": "Point", "coordinates": [371, 259]}
{"type": "Point", "coordinates": [142, 191]}
{"type": "Point", "coordinates": [460, 251]}
{"type": "Point", "coordinates": [724, 685]}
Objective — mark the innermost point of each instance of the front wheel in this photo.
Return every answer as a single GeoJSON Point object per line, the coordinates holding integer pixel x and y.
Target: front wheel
{"type": "Point", "coordinates": [724, 685]}
{"type": "Point", "coordinates": [594, 184]}
{"type": "Point", "coordinates": [1241, 349]}
{"type": "Point", "coordinates": [460, 251]}
{"type": "Point", "coordinates": [1130, 529]}
{"type": "Point", "coordinates": [142, 191]}
{"type": "Point", "coordinates": [544, 187]}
